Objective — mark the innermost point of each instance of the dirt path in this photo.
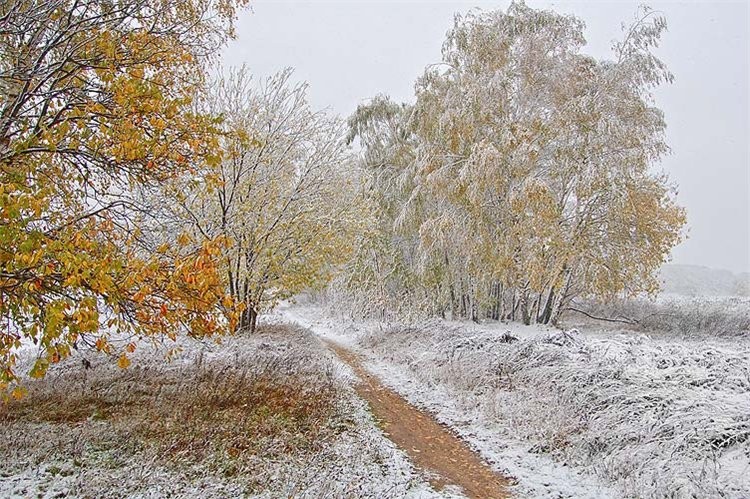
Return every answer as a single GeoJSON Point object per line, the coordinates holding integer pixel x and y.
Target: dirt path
{"type": "Point", "coordinates": [431, 447]}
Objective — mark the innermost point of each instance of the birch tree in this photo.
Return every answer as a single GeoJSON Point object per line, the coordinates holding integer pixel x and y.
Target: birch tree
{"type": "Point", "coordinates": [532, 173]}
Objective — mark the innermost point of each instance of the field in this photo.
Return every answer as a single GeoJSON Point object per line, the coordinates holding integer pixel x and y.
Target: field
{"type": "Point", "coordinates": [271, 415]}
{"type": "Point", "coordinates": [582, 412]}
{"type": "Point", "coordinates": [586, 410]}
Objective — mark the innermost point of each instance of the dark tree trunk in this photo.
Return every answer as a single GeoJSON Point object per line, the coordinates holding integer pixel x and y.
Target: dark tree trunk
{"type": "Point", "coordinates": [535, 309]}
{"type": "Point", "coordinates": [546, 314]}
{"type": "Point", "coordinates": [474, 307]}
{"type": "Point", "coordinates": [513, 306]}
{"type": "Point", "coordinates": [495, 308]}
{"type": "Point", "coordinates": [249, 319]}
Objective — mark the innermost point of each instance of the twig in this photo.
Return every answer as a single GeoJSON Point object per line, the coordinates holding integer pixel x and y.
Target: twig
{"type": "Point", "coordinates": [631, 322]}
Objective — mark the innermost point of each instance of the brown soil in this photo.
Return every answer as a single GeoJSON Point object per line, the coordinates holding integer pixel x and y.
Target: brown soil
{"type": "Point", "coordinates": [431, 447]}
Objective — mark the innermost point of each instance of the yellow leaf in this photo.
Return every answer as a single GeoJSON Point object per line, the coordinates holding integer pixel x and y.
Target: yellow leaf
{"type": "Point", "coordinates": [123, 362]}
{"type": "Point", "coordinates": [183, 239]}
{"type": "Point", "coordinates": [39, 369]}
{"type": "Point", "coordinates": [18, 393]}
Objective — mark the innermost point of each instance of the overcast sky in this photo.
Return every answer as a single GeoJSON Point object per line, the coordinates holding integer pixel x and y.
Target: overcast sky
{"type": "Point", "coordinates": [350, 51]}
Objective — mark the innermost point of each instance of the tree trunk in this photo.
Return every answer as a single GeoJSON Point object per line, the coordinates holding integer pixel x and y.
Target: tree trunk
{"type": "Point", "coordinates": [562, 296]}
{"type": "Point", "coordinates": [501, 301]}
{"type": "Point", "coordinates": [454, 302]}
{"type": "Point", "coordinates": [496, 297]}
{"type": "Point", "coordinates": [474, 308]}
{"type": "Point", "coordinates": [513, 306]}
{"type": "Point", "coordinates": [249, 319]}
{"type": "Point", "coordinates": [534, 313]}
{"type": "Point", "coordinates": [546, 315]}
{"type": "Point", "coordinates": [525, 305]}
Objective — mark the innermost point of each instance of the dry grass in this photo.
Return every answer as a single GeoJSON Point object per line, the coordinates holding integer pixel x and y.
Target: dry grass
{"type": "Point", "coordinates": [226, 414]}
{"type": "Point", "coordinates": [684, 317]}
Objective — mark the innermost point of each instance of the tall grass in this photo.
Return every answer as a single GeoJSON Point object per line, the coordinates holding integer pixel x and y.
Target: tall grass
{"type": "Point", "coordinates": [682, 316]}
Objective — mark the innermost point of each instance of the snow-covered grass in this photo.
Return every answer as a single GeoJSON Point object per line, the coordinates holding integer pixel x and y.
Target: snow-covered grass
{"type": "Point", "coordinates": [573, 414]}
{"type": "Point", "coordinates": [270, 415]}
{"type": "Point", "coordinates": [682, 316]}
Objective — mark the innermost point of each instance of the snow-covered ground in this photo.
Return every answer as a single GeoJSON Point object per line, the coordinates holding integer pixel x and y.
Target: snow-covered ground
{"type": "Point", "coordinates": [574, 414]}
{"type": "Point", "coordinates": [49, 452]}
{"type": "Point", "coordinates": [564, 413]}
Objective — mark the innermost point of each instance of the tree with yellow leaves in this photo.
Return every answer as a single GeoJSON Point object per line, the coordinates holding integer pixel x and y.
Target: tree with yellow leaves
{"type": "Point", "coordinates": [95, 104]}
{"type": "Point", "coordinates": [284, 196]}
{"type": "Point", "coordinates": [530, 178]}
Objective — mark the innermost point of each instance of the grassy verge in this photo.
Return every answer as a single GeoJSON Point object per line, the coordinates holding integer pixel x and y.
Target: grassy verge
{"type": "Point", "coordinates": [214, 419]}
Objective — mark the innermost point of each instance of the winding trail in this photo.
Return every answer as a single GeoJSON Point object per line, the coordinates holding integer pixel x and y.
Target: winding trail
{"type": "Point", "coordinates": [431, 447]}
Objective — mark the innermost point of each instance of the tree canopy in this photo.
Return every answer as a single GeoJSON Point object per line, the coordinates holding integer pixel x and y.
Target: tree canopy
{"type": "Point", "coordinates": [524, 174]}
{"type": "Point", "coordinates": [284, 196]}
{"type": "Point", "coordinates": [95, 104]}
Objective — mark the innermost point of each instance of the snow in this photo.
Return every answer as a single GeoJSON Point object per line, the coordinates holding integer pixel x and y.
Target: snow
{"type": "Point", "coordinates": [537, 476]}
{"type": "Point", "coordinates": [569, 413]}
{"type": "Point", "coordinates": [51, 460]}
{"type": "Point", "coordinates": [564, 413]}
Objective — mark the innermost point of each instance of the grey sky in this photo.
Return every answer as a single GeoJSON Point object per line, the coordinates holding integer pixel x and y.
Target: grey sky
{"type": "Point", "coordinates": [351, 51]}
